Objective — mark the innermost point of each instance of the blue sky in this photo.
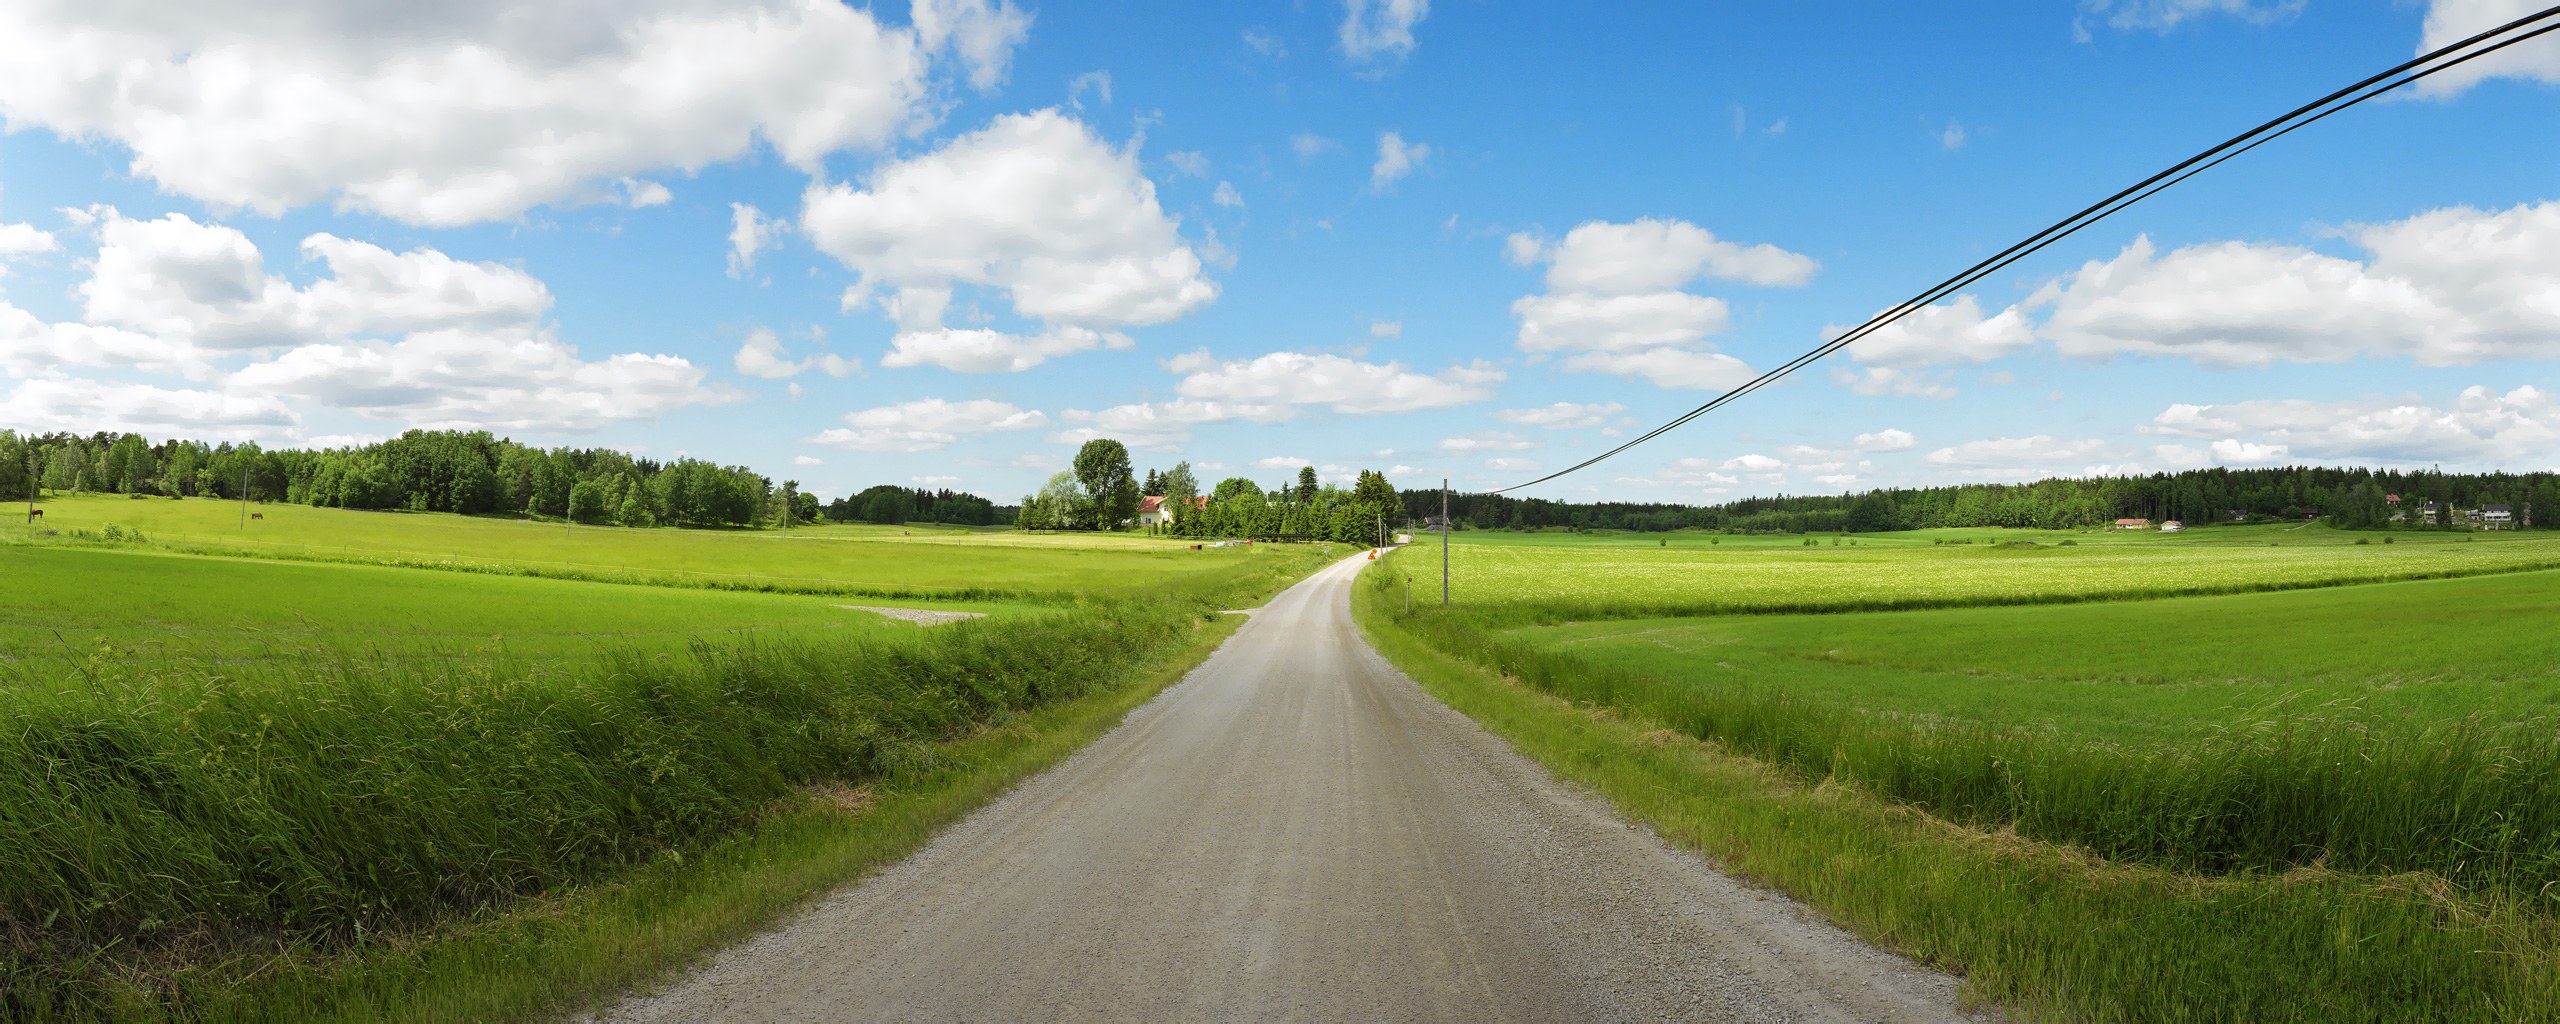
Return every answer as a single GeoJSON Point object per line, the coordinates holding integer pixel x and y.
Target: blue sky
{"type": "Point", "coordinates": [944, 244]}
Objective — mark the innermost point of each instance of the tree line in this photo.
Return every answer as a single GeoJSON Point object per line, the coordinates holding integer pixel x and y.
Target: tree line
{"type": "Point", "coordinates": [2350, 497]}
{"type": "Point", "coordinates": [469, 472]}
{"type": "Point", "coordinates": [1103, 492]}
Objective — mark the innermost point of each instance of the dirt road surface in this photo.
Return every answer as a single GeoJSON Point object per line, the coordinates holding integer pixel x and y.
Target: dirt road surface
{"type": "Point", "coordinates": [1297, 831]}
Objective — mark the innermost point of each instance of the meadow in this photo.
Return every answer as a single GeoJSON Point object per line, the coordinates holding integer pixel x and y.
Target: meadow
{"type": "Point", "coordinates": [230, 777]}
{"type": "Point", "coordinates": [2358, 759]}
{"type": "Point", "coordinates": [922, 562]}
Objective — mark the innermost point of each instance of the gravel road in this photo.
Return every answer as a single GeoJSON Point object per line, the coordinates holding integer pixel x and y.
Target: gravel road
{"type": "Point", "coordinates": [1297, 831]}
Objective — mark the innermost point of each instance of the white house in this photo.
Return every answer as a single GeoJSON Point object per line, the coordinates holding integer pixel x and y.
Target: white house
{"type": "Point", "coordinates": [2172, 526]}
{"type": "Point", "coordinates": [2495, 517]}
{"type": "Point", "coordinates": [1154, 511]}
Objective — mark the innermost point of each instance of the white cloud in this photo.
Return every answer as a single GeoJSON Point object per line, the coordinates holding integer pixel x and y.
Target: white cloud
{"type": "Point", "coordinates": [1279, 462]}
{"type": "Point", "coordinates": [2451, 21]}
{"type": "Point", "coordinates": [1877, 381]}
{"type": "Point", "coordinates": [982, 34]}
{"type": "Point", "coordinates": [1510, 465]}
{"type": "Point", "coordinates": [448, 114]}
{"type": "Point", "coordinates": [1886, 440]}
{"type": "Point", "coordinates": [2478, 427]}
{"type": "Point", "coordinates": [1562, 415]}
{"type": "Point", "coordinates": [807, 460]}
{"type": "Point", "coordinates": [926, 424]}
{"type": "Point", "coordinates": [82, 406]}
{"type": "Point", "coordinates": [1227, 196]}
{"type": "Point", "coordinates": [1190, 162]}
{"type": "Point", "coordinates": [1952, 137]}
{"type": "Point", "coordinates": [522, 380]}
{"type": "Point", "coordinates": [638, 193]}
{"type": "Point", "coordinates": [1754, 463]}
{"type": "Point", "coordinates": [1263, 42]}
{"type": "Point", "coordinates": [2040, 455]}
{"type": "Point", "coordinates": [980, 350]}
{"type": "Point", "coordinates": [1098, 84]}
{"type": "Point", "coordinates": [1614, 298]}
{"type": "Point", "coordinates": [933, 481]}
{"type": "Point", "coordinates": [1396, 159]}
{"type": "Point", "coordinates": [1386, 328]}
{"type": "Point", "coordinates": [1033, 205]}
{"type": "Point", "coordinates": [762, 355]}
{"type": "Point", "coordinates": [1309, 145]}
{"type": "Point", "coordinates": [1674, 368]}
{"type": "Point", "coordinates": [2164, 15]}
{"type": "Point", "coordinates": [750, 232]}
{"type": "Point", "coordinates": [1347, 385]}
{"type": "Point", "coordinates": [1376, 30]}
{"type": "Point", "coordinates": [21, 240]}
{"type": "Point", "coordinates": [1948, 332]}
{"type": "Point", "coordinates": [1159, 424]}
{"type": "Point", "coordinates": [1487, 441]}
{"type": "Point", "coordinates": [2450, 287]}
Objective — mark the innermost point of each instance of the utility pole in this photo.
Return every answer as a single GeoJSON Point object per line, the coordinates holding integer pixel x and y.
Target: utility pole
{"type": "Point", "coordinates": [245, 463]}
{"type": "Point", "coordinates": [1444, 542]}
{"type": "Point", "coordinates": [31, 486]}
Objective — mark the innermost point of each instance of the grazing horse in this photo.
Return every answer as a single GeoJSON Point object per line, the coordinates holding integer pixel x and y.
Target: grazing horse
{"type": "Point", "coordinates": [257, 515]}
{"type": "Point", "coordinates": [34, 514]}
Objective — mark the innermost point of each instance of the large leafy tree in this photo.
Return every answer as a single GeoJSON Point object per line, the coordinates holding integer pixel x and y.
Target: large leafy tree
{"type": "Point", "coordinates": [1102, 468]}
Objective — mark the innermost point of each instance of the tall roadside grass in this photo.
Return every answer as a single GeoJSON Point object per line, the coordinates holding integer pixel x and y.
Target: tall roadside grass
{"type": "Point", "coordinates": [158, 810]}
{"type": "Point", "coordinates": [2474, 803]}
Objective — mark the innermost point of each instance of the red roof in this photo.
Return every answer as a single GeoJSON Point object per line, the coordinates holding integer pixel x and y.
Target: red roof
{"type": "Point", "coordinates": [1151, 503]}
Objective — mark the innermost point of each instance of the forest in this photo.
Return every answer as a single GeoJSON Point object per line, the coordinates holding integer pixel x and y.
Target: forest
{"type": "Point", "coordinates": [2354, 498]}
{"type": "Point", "coordinates": [472, 472]}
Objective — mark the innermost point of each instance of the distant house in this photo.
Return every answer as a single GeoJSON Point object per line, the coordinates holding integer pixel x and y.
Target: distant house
{"type": "Point", "coordinates": [2392, 498]}
{"type": "Point", "coordinates": [2495, 517]}
{"type": "Point", "coordinates": [2133, 524]}
{"type": "Point", "coordinates": [2237, 515]}
{"type": "Point", "coordinates": [2172, 526]}
{"type": "Point", "coordinates": [1153, 510]}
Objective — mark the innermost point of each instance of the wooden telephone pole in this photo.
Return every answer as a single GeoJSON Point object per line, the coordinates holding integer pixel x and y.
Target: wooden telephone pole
{"type": "Point", "coordinates": [1444, 542]}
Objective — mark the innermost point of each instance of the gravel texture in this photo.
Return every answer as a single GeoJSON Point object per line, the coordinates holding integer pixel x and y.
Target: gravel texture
{"type": "Point", "coordinates": [1297, 832]}
{"type": "Point", "coordinates": [919, 616]}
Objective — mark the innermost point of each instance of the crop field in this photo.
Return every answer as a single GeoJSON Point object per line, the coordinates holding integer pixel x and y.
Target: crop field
{"type": "Point", "coordinates": [223, 768]}
{"type": "Point", "coordinates": [923, 562]}
{"type": "Point", "coordinates": [2231, 714]}
{"type": "Point", "coordinates": [1619, 576]}
{"type": "Point", "coordinates": [70, 599]}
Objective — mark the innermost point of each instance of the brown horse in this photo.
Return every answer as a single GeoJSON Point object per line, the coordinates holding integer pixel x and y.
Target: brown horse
{"type": "Point", "coordinates": [257, 515]}
{"type": "Point", "coordinates": [34, 514]}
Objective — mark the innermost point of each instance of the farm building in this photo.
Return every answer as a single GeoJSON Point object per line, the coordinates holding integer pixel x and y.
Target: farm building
{"type": "Point", "coordinates": [2495, 517]}
{"type": "Point", "coordinates": [2133, 524]}
{"type": "Point", "coordinates": [1153, 511]}
{"type": "Point", "coordinates": [2172, 526]}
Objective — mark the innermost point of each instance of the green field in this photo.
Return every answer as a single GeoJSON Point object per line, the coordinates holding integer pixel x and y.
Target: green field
{"type": "Point", "coordinates": [2361, 739]}
{"type": "Point", "coordinates": [923, 562]}
{"type": "Point", "coordinates": [64, 598]}
{"type": "Point", "coordinates": [235, 782]}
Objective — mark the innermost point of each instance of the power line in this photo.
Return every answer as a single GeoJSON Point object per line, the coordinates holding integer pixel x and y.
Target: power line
{"type": "Point", "coordinates": [2303, 116]}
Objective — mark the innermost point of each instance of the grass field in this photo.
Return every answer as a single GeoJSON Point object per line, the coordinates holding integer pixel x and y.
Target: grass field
{"type": "Point", "coordinates": [66, 599]}
{"type": "Point", "coordinates": [2376, 764]}
{"type": "Point", "coordinates": [924, 562]}
{"type": "Point", "coordinates": [227, 776]}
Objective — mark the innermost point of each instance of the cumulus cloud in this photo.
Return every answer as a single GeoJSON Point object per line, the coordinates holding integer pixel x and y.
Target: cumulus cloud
{"type": "Point", "coordinates": [1034, 206]}
{"type": "Point", "coordinates": [807, 460]}
{"type": "Point", "coordinates": [1279, 462]}
{"type": "Point", "coordinates": [82, 406]}
{"type": "Point", "coordinates": [1754, 463]}
{"type": "Point", "coordinates": [980, 350]}
{"type": "Point", "coordinates": [22, 240]}
{"type": "Point", "coordinates": [1486, 441]}
{"type": "Point", "coordinates": [2449, 287]}
{"type": "Point", "coordinates": [2451, 21]}
{"type": "Point", "coordinates": [1396, 159]}
{"type": "Point", "coordinates": [1879, 381]}
{"type": "Point", "coordinates": [1886, 440]}
{"type": "Point", "coordinates": [926, 424]}
{"type": "Point", "coordinates": [1948, 332]}
{"type": "Point", "coordinates": [448, 114]}
{"type": "Point", "coordinates": [1346, 385]}
{"type": "Point", "coordinates": [1614, 298]}
{"type": "Point", "coordinates": [1227, 196]}
{"type": "Point", "coordinates": [417, 337]}
{"type": "Point", "coordinates": [1503, 464]}
{"type": "Point", "coordinates": [2163, 15]}
{"type": "Point", "coordinates": [1386, 328]}
{"type": "Point", "coordinates": [1562, 415]}
{"type": "Point", "coordinates": [2479, 426]}
{"type": "Point", "coordinates": [1380, 30]}
{"type": "Point", "coordinates": [750, 232]}
{"type": "Point", "coordinates": [1160, 424]}
{"type": "Point", "coordinates": [980, 33]}
{"type": "Point", "coordinates": [762, 355]}
{"type": "Point", "coordinates": [2018, 457]}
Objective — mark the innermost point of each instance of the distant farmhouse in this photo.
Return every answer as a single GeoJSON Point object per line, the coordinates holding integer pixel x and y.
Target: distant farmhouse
{"type": "Point", "coordinates": [1153, 511]}
{"type": "Point", "coordinates": [2133, 524]}
{"type": "Point", "coordinates": [2495, 517]}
